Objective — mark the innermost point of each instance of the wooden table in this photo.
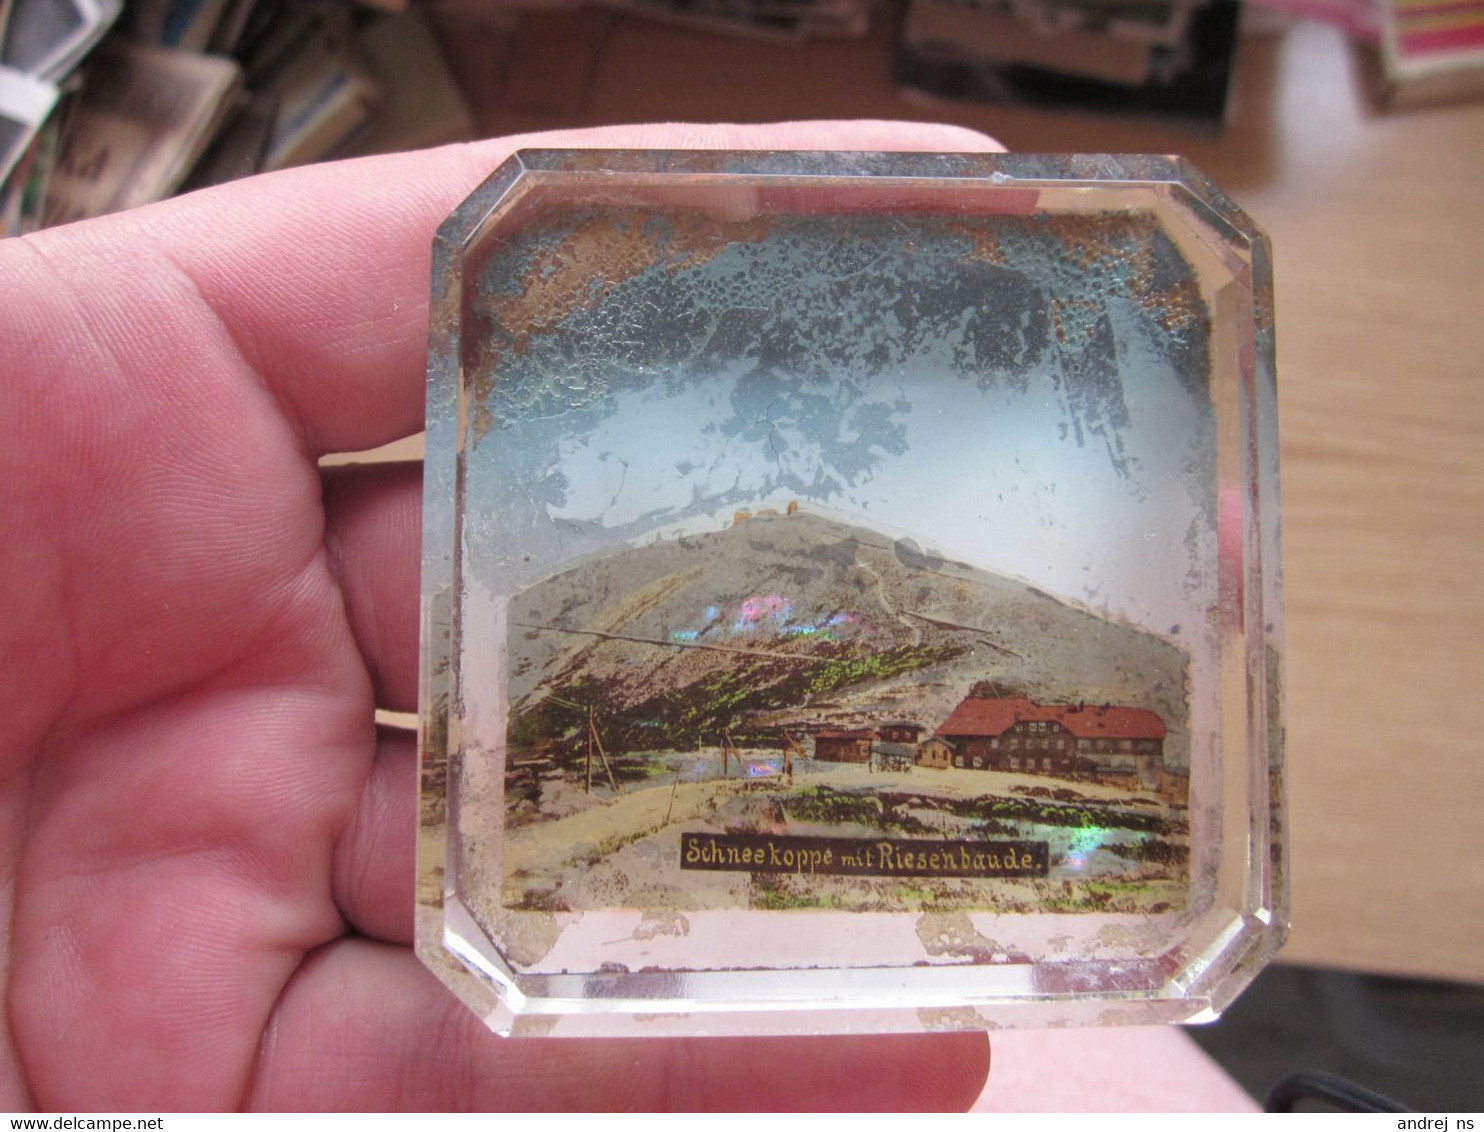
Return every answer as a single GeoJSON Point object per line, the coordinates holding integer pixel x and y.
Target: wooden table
{"type": "Point", "coordinates": [1379, 236]}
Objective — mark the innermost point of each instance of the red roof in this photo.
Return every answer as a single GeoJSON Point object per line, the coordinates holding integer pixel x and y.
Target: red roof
{"type": "Point", "coordinates": [845, 735]}
{"type": "Point", "coordinates": [986, 717]}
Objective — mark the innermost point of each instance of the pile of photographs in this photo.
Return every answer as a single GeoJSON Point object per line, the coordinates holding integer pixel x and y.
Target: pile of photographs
{"type": "Point", "coordinates": [186, 93]}
{"type": "Point", "coordinates": [1167, 58]}
{"type": "Point", "coordinates": [1432, 52]}
{"type": "Point", "coordinates": [767, 19]}
{"type": "Point", "coordinates": [41, 44]}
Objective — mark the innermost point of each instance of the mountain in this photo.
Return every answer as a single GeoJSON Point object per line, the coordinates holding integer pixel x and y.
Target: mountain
{"type": "Point", "coordinates": [783, 621]}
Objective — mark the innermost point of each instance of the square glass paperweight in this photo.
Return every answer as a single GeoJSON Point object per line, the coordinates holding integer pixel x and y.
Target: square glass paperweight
{"type": "Point", "coordinates": [851, 595]}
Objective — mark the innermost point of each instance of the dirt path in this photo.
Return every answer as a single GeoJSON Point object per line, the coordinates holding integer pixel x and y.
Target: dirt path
{"type": "Point", "coordinates": [542, 844]}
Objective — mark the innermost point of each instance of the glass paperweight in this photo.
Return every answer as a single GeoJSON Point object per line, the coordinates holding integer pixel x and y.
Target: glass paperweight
{"type": "Point", "coordinates": [851, 595]}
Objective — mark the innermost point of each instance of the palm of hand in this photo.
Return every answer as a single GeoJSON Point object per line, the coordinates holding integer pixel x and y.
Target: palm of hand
{"type": "Point", "coordinates": [208, 844]}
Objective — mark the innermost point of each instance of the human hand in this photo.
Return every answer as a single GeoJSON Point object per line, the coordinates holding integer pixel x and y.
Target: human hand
{"type": "Point", "coordinates": [207, 845]}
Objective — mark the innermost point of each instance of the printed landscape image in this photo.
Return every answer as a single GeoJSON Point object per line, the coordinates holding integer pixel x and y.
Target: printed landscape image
{"type": "Point", "coordinates": [793, 712]}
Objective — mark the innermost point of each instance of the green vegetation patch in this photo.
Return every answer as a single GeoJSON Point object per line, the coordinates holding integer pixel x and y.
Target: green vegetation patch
{"type": "Point", "coordinates": [1154, 850]}
{"type": "Point", "coordinates": [827, 806]}
{"type": "Point", "coordinates": [888, 810]}
{"type": "Point", "coordinates": [857, 664]}
{"type": "Point", "coordinates": [698, 714]}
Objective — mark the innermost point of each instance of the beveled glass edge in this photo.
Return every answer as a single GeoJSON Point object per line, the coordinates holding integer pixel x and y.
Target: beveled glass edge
{"type": "Point", "coordinates": [1023, 169]}
{"type": "Point", "coordinates": [1203, 189]}
{"type": "Point", "coordinates": [1268, 903]}
{"type": "Point", "coordinates": [1263, 923]}
{"type": "Point", "coordinates": [771, 1020]}
{"type": "Point", "coordinates": [809, 1001]}
{"type": "Point", "coordinates": [1265, 411]}
{"type": "Point", "coordinates": [439, 714]}
{"type": "Point", "coordinates": [1237, 954]}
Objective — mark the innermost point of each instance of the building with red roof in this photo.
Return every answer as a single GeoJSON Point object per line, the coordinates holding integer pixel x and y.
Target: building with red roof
{"type": "Point", "coordinates": [1015, 733]}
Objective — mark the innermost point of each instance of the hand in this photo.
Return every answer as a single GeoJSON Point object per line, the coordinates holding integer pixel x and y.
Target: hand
{"type": "Point", "coordinates": [207, 844]}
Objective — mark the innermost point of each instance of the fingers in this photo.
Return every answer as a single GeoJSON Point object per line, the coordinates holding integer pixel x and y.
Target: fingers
{"type": "Point", "coordinates": [373, 524]}
{"type": "Point", "coordinates": [372, 872]}
{"type": "Point", "coordinates": [175, 870]}
{"type": "Point", "coordinates": [317, 278]}
{"type": "Point", "coordinates": [386, 1036]}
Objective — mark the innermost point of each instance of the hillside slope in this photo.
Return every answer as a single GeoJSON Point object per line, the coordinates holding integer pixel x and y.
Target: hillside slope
{"type": "Point", "coordinates": [784, 621]}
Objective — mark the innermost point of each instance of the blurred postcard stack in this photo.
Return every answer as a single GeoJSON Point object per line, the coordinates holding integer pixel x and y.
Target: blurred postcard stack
{"type": "Point", "coordinates": [1432, 50]}
{"type": "Point", "coordinates": [181, 94]}
{"type": "Point", "coordinates": [767, 19]}
{"type": "Point", "coordinates": [1165, 58]}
